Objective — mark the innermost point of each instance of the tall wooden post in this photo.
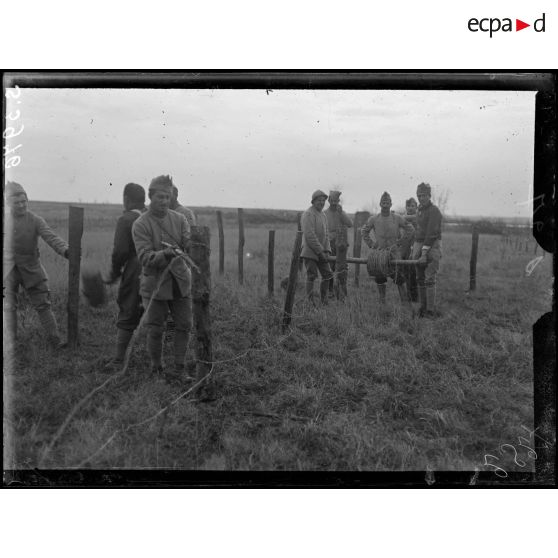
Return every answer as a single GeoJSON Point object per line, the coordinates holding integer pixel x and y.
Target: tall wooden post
{"type": "Point", "coordinates": [473, 262]}
{"type": "Point", "coordinates": [360, 219]}
{"type": "Point", "coordinates": [240, 245]}
{"type": "Point", "coordinates": [75, 232]}
{"type": "Point", "coordinates": [221, 243]}
{"type": "Point", "coordinates": [291, 287]}
{"type": "Point", "coordinates": [271, 264]}
{"type": "Point", "coordinates": [201, 293]}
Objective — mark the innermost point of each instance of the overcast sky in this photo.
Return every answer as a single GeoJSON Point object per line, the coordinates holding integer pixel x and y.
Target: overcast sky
{"type": "Point", "coordinates": [252, 148]}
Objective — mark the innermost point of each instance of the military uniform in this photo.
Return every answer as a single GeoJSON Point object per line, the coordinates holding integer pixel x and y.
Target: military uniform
{"type": "Point", "coordinates": [428, 236]}
{"type": "Point", "coordinates": [125, 265]}
{"type": "Point", "coordinates": [406, 254]}
{"type": "Point", "coordinates": [22, 267]}
{"type": "Point", "coordinates": [337, 223]}
{"type": "Point", "coordinates": [315, 247]}
{"type": "Point", "coordinates": [165, 281]}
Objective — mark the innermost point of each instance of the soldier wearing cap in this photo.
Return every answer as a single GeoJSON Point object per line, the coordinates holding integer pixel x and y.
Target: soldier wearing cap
{"type": "Point", "coordinates": [175, 206]}
{"type": "Point", "coordinates": [427, 249]}
{"type": "Point", "coordinates": [386, 230]}
{"type": "Point", "coordinates": [160, 234]}
{"type": "Point", "coordinates": [125, 265]}
{"type": "Point", "coordinates": [337, 223]}
{"type": "Point", "coordinates": [316, 246]}
{"type": "Point", "coordinates": [22, 264]}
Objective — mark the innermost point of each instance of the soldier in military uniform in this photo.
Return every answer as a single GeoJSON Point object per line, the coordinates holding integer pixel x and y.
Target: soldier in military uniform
{"type": "Point", "coordinates": [125, 265]}
{"type": "Point", "coordinates": [315, 246]}
{"type": "Point", "coordinates": [427, 249]}
{"type": "Point", "coordinates": [161, 235]}
{"type": "Point", "coordinates": [22, 264]}
{"type": "Point", "coordinates": [386, 230]}
{"type": "Point", "coordinates": [407, 248]}
{"type": "Point", "coordinates": [337, 223]}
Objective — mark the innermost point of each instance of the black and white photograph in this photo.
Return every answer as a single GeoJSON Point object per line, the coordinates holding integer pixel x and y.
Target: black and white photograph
{"type": "Point", "coordinates": [221, 274]}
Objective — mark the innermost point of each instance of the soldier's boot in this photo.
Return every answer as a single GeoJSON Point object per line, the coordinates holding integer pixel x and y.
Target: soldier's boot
{"type": "Point", "coordinates": [431, 301]}
{"type": "Point", "coordinates": [324, 288]}
{"type": "Point", "coordinates": [181, 340]}
{"type": "Point", "coordinates": [382, 293]}
{"type": "Point", "coordinates": [422, 299]}
{"type": "Point", "coordinates": [155, 349]}
{"type": "Point", "coordinates": [48, 321]}
{"type": "Point", "coordinates": [123, 338]}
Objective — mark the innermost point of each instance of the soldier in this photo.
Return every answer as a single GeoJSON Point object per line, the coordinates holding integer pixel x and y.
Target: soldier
{"type": "Point", "coordinates": [407, 248]}
{"type": "Point", "coordinates": [161, 237]}
{"type": "Point", "coordinates": [427, 249]}
{"type": "Point", "coordinates": [175, 206]}
{"type": "Point", "coordinates": [386, 230]}
{"type": "Point", "coordinates": [125, 265]}
{"type": "Point", "coordinates": [316, 246]}
{"type": "Point", "coordinates": [22, 265]}
{"type": "Point", "coordinates": [337, 223]}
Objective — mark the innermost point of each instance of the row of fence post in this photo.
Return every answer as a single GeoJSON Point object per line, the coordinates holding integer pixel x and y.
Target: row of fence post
{"type": "Point", "coordinates": [201, 257]}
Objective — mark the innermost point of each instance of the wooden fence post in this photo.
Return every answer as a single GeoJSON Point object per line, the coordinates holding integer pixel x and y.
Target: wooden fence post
{"type": "Point", "coordinates": [201, 293]}
{"type": "Point", "coordinates": [291, 287]}
{"type": "Point", "coordinates": [473, 262]}
{"type": "Point", "coordinates": [241, 246]}
{"type": "Point", "coordinates": [75, 232]}
{"type": "Point", "coordinates": [221, 243]}
{"type": "Point", "coordinates": [271, 264]}
{"type": "Point", "coordinates": [360, 219]}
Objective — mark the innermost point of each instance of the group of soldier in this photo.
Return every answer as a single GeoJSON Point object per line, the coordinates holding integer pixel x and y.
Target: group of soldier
{"type": "Point", "coordinates": [416, 236]}
{"type": "Point", "coordinates": [150, 258]}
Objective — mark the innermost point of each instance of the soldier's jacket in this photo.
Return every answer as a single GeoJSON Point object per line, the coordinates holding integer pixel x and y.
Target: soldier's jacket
{"type": "Point", "coordinates": [21, 246]}
{"type": "Point", "coordinates": [337, 224]}
{"type": "Point", "coordinates": [429, 224]}
{"type": "Point", "coordinates": [125, 262]}
{"type": "Point", "coordinates": [188, 213]}
{"type": "Point", "coordinates": [148, 232]}
{"type": "Point", "coordinates": [315, 236]}
{"type": "Point", "coordinates": [385, 230]}
{"type": "Point", "coordinates": [407, 240]}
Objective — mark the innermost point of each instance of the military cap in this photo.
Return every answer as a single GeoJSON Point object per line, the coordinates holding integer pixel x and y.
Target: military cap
{"type": "Point", "coordinates": [14, 189]}
{"type": "Point", "coordinates": [423, 188]}
{"type": "Point", "coordinates": [318, 194]}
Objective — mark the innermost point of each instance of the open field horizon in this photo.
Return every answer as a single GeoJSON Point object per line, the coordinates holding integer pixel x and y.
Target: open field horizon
{"type": "Point", "coordinates": [52, 209]}
{"type": "Point", "coordinates": [349, 387]}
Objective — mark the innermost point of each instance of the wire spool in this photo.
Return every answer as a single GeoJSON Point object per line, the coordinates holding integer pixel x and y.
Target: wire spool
{"type": "Point", "coordinates": [379, 262]}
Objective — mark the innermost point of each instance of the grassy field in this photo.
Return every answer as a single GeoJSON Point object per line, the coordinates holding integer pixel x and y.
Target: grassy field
{"type": "Point", "coordinates": [349, 387]}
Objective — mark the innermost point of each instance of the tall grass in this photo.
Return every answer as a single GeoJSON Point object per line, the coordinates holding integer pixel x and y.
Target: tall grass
{"type": "Point", "coordinates": [350, 387]}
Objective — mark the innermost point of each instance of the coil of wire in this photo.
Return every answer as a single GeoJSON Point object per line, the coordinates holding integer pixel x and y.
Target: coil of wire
{"type": "Point", "coordinates": [379, 262]}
